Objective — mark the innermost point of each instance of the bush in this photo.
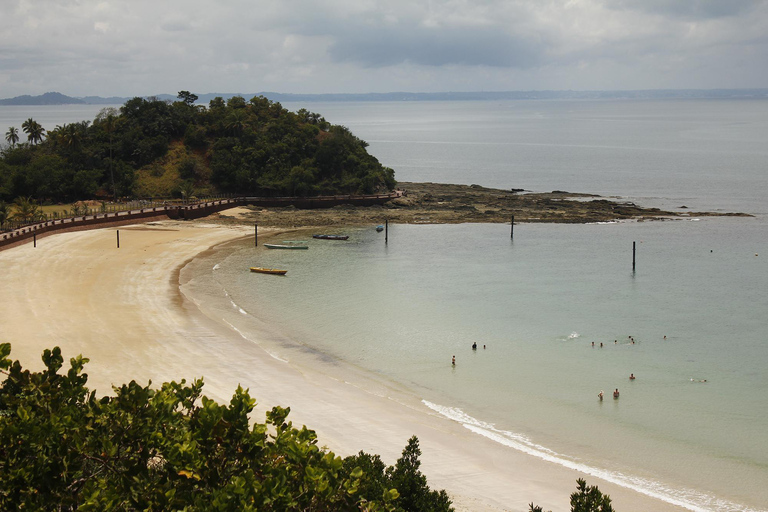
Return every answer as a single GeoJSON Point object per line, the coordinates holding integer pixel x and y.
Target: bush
{"type": "Point", "coordinates": [172, 448]}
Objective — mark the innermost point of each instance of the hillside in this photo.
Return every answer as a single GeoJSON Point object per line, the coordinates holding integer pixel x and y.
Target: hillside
{"type": "Point", "coordinates": [154, 148]}
{"type": "Point", "coordinates": [49, 98]}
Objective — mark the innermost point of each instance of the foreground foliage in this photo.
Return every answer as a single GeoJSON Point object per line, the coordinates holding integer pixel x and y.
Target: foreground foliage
{"type": "Point", "coordinates": [155, 148]}
{"type": "Point", "coordinates": [64, 449]}
{"type": "Point", "coordinates": [61, 448]}
{"type": "Point", "coordinates": [585, 499]}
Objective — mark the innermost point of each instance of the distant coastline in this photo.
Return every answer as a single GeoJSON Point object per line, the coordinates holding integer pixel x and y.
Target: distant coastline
{"type": "Point", "coordinates": [56, 98]}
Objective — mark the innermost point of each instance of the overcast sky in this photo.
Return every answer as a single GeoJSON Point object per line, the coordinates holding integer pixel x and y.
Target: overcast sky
{"type": "Point", "coordinates": [143, 47]}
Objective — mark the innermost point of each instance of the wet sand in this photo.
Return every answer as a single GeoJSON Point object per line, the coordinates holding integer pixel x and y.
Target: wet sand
{"type": "Point", "coordinates": [122, 309]}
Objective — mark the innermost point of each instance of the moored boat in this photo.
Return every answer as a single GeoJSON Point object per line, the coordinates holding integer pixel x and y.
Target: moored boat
{"type": "Point", "coordinates": [278, 246]}
{"type": "Point", "coordinates": [379, 228]}
{"type": "Point", "coordinates": [331, 237]}
{"type": "Point", "coordinates": [263, 270]}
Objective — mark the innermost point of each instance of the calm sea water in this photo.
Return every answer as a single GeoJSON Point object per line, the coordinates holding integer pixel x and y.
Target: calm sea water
{"type": "Point", "coordinates": [400, 311]}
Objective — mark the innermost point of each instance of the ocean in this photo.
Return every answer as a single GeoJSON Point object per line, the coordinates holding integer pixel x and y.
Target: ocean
{"type": "Point", "coordinates": [690, 322]}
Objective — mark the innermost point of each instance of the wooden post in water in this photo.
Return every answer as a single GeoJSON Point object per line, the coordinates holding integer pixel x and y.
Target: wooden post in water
{"type": "Point", "coordinates": [118, 238]}
{"type": "Point", "coordinates": [386, 231]}
{"type": "Point", "coordinates": [512, 228]}
{"type": "Point", "coordinates": [634, 244]}
{"type": "Point", "coordinates": [34, 240]}
{"type": "Point", "coordinates": [255, 234]}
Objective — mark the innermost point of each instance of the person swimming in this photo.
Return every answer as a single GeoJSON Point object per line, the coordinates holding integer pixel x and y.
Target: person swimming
{"type": "Point", "coordinates": [631, 376]}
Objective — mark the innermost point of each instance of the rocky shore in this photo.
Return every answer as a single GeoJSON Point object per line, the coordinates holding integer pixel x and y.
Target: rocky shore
{"type": "Point", "coordinates": [437, 203]}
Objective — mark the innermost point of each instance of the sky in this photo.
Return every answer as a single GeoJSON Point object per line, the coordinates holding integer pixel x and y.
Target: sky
{"type": "Point", "coordinates": [142, 47]}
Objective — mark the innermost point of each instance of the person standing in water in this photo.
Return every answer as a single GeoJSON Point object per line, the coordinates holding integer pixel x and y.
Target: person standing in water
{"type": "Point", "coordinates": [616, 393]}
{"type": "Point", "coordinates": [453, 361]}
{"type": "Point", "coordinates": [600, 395]}
{"type": "Point", "coordinates": [474, 345]}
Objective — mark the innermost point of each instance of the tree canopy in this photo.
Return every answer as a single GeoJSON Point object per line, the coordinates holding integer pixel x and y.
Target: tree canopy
{"type": "Point", "coordinates": [172, 448]}
{"type": "Point", "coordinates": [153, 148]}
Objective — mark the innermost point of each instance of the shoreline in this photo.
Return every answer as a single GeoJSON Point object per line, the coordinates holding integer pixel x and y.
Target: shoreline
{"type": "Point", "coordinates": [127, 318]}
{"type": "Point", "coordinates": [442, 203]}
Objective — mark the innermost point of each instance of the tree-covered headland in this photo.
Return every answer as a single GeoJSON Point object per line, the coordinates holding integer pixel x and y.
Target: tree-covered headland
{"type": "Point", "coordinates": [152, 148]}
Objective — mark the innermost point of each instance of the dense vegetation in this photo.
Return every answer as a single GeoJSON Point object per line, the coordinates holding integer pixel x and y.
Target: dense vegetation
{"type": "Point", "coordinates": [152, 148]}
{"type": "Point", "coordinates": [171, 448]}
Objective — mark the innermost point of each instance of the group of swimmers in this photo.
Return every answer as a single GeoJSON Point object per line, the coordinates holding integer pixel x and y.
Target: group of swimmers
{"type": "Point", "coordinates": [615, 391]}
{"type": "Point", "coordinates": [474, 347]}
{"type": "Point", "coordinates": [616, 342]}
{"type": "Point", "coordinates": [615, 394]}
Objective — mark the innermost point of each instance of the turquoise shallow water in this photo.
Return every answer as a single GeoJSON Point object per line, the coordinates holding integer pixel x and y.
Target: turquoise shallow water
{"type": "Point", "coordinates": [402, 310]}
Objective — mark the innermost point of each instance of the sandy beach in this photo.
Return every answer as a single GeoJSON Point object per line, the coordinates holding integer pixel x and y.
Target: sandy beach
{"type": "Point", "coordinates": [123, 309]}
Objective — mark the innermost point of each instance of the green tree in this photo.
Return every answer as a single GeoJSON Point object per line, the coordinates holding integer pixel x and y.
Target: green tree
{"type": "Point", "coordinates": [25, 210]}
{"type": "Point", "coordinates": [4, 213]}
{"type": "Point", "coordinates": [187, 97]}
{"type": "Point", "coordinates": [413, 493]}
{"type": "Point", "coordinates": [172, 448]}
{"type": "Point", "coordinates": [237, 121]}
{"type": "Point", "coordinates": [12, 136]}
{"type": "Point", "coordinates": [34, 131]}
{"type": "Point", "coordinates": [110, 123]}
{"type": "Point", "coordinates": [585, 499]}
{"type": "Point", "coordinates": [187, 191]}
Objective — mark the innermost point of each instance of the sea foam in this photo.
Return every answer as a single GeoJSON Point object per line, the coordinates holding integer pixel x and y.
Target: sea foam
{"type": "Point", "coordinates": [688, 499]}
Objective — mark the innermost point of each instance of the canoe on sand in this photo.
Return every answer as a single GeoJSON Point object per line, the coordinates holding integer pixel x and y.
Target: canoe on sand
{"type": "Point", "coordinates": [278, 246]}
{"type": "Point", "coordinates": [263, 270]}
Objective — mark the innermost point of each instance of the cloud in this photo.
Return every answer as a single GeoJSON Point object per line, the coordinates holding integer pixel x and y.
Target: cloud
{"type": "Point", "coordinates": [147, 47]}
{"type": "Point", "coordinates": [687, 9]}
{"type": "Point", "coordinates": [431, 46]}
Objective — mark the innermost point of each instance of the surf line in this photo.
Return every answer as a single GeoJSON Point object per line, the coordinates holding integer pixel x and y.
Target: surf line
{"type": "Point", "coordinates": [687, 499]}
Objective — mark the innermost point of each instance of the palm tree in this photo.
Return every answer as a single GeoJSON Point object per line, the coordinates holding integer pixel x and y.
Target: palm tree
{"type": "Point", "coordinates": [187, 191]}
{"type": "Point", "coordinates": [4, 214]}
{"type": "Point", "coordinates": [237, 122]}
{"type": "Point", "coordinates": [109, 127]}
{"type": "Point", "coordinates": [25, 210]}
{"type": "Point", "coordinates": [71, 136]}
{"type": "Point", "coordinates": [12, 136]}
{"type": "Point", "coordinates": [34, 131]}
{"type": "Point", "coordinates": [37, 133]}
{"type": "Point", "coordinates": [27, 125]}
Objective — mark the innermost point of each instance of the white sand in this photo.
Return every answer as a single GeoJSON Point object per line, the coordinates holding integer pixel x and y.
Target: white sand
{"type": "Point", "coordinates": [122, 309]}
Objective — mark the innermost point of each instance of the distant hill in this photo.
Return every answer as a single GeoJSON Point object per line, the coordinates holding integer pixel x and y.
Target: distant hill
{"type": "Point", "coordinates": [49, 98]}
{"type": "Point", "coordinates": [55, 98]}
{"type": "Point", "coordinates": [98, 100]}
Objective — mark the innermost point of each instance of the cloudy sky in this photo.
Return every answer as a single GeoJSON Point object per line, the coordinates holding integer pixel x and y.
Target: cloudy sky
{"type": "Point", "coordinates": [143, 47]}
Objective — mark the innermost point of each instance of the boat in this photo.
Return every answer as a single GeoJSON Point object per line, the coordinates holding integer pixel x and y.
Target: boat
{"type": "Point", "coordinates": [294, 241]}
{"type": "Point", "coordinates": [379, 228]}
{"type": "Point", "coordinates": [263, 270]}
{"type": "Point", "coordinates": [278, 246]}
{"type": "Point", "coordinates": [331, 237]}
